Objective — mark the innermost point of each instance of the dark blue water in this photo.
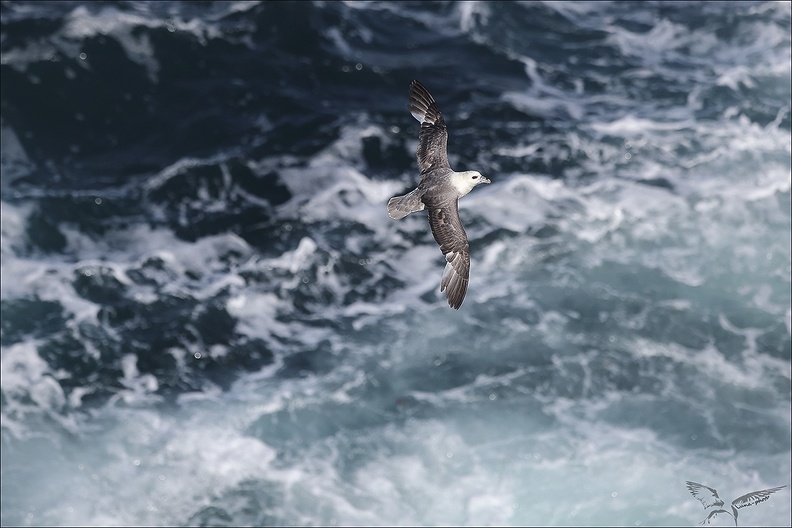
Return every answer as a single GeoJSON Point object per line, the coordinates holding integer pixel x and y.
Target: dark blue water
{"type": "Point", "coordinates": [208, 317]}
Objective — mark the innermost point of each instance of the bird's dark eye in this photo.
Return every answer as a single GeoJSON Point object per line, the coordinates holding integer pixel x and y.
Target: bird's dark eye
{"type": "Point", "coordinates": [475, 177]}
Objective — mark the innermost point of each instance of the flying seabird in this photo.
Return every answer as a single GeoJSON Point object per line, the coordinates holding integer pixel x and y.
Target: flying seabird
{"type": "Point", "coordinates": [710, 498]}
{"type": "Point", "coordinates": [439, 191]}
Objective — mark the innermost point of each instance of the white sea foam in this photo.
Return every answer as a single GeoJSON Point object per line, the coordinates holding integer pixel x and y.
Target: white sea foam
{"type": "Point", "coordinates": [611, 346]}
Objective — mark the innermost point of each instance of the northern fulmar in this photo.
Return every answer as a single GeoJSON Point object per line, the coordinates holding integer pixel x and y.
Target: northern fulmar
{"type": "Point", "coordinates": [439, 191]}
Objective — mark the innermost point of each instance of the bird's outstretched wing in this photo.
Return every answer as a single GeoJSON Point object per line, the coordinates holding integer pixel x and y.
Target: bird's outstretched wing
{"type": "Point", "coordinates": [433, 137]}
{"type": "Point", "coordinates": [755, 497]}
{"type": "Point", "coordinates": [706, 495]}
{"type": "Point", "coordinates": [450, 235]}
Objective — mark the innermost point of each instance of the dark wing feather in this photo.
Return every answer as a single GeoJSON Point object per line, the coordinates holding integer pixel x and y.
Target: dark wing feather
{"type": "Point", "coordinates": [433, 137]}
{"type": "Point", "coordinates": [755, 497]}
{"type": "Point", "coordinates": [706, 495]}
{"type": "Point", "coordinates": [450, 235]}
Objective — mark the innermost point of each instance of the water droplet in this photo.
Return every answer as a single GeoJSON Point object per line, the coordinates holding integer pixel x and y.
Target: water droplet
{"type": "Point", "coordinates": [83, 56]}
{"type": "Point", "coordinates": [197, 355]}
{"type": "Point", "coordinates": [449, 455]}
{"type": "Point", "coordinates": [492, 397]}
{"type": "Point", "coordinates": [358, 66]}
{"type": "Point", "coordinates": [614, 494]}
{"type": "Point", "coordinates": [98, 201]}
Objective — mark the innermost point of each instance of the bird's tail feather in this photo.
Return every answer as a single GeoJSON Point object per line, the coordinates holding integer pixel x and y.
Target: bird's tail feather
{"type": "Point", "coordinates": [401, 206]}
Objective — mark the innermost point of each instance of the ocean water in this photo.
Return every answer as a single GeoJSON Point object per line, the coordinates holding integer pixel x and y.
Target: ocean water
{"type": "Point", "coordinates": [209, 319]}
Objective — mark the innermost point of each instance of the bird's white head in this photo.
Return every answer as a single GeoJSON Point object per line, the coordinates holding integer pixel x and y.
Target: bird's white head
{"type": "Point", "coordinates": [465, 181]}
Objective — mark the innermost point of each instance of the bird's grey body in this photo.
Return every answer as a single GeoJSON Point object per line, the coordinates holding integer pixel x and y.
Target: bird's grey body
{"type": "Point", "coordinates": [439, 191]}
{"type": "Point", "coordinates": [709, 498]}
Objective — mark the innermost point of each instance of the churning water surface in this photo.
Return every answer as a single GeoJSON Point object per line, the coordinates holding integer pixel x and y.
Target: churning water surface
{"type": "Point", "coordinates": [208, 317]}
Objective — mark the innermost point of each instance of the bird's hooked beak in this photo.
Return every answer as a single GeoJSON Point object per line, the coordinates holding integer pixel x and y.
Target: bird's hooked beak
{"type": "Point", "coordinates": [485, 180]}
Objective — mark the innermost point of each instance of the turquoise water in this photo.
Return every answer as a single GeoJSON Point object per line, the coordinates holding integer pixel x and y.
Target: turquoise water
{"type": "Point", "coordinates": [209, 319]}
